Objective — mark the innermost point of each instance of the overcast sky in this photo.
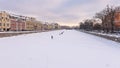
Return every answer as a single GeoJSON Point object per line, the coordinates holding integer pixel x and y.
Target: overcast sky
{"type": "Point", "coordinates": [69, 12]}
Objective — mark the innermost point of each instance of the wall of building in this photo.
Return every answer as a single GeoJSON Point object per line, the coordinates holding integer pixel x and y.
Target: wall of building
{"type": "Point", "coordinates": [117, 19]}
{"type": "Point", "coordinates": [4, 21]}
{"type": "Point", "coordinates": [14, 22]}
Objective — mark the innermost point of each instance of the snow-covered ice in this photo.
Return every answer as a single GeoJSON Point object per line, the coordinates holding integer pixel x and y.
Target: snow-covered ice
{"type": "Point", "coordinates": [72, 49]}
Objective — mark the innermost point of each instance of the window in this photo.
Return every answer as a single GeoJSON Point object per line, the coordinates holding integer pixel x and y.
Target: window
{"type": "Point", "coordinates": [4, 24]}
{"type": "Point", "coordinates": [2, 17]}
{"type": "Point", "coordinates": [7, 24]}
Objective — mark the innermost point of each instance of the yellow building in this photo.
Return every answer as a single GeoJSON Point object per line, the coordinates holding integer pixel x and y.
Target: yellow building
{"type": "Point", "coordinates": [4, 21]}
{"type": "Point", "coordinates": [30, 26]}
{"type": "Point", "coordinates": [38, 26]}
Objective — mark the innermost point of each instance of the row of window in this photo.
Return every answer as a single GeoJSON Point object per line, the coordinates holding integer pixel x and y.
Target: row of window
{"type": "Point", "coordinates": [5, 24]}
{"type": "Point", "coordinates": [4, 19]}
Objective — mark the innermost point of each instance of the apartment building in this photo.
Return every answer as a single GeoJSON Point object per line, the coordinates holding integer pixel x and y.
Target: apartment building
{"type": "Point", "coordinates": [17, 23]}
{"type": "Point", "coordinates": [30, 23]}
{"type": "Point", "coordinates": [117, 20]}
{"type": "Point", "coordinates": [38, 25]}
{"type": "Point", "coordinates": [4, 21]}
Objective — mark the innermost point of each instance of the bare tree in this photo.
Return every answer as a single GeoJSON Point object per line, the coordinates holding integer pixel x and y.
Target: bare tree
{"type": "Point", "coordinates": [107, 17]}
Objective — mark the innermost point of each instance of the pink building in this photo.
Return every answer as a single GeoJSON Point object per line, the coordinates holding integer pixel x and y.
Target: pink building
{"type": "Point", "coordinates": [13, 25]}
{"type": "Point", "coordinates": [17, 24]}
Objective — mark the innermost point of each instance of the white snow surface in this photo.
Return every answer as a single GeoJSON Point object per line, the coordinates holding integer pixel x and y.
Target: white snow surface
{"type": "Point", "coordinates": [73, 49]}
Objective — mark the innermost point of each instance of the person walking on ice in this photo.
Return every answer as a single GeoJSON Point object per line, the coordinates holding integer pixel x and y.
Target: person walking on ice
{"type": "Point", "coordinates": [61, 33]}
{"type": "Point", "coordinates": [51, 36]}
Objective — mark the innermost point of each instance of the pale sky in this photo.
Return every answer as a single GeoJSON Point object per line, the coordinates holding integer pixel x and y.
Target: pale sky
{"type": "Point", "coordinates": [65, 12]}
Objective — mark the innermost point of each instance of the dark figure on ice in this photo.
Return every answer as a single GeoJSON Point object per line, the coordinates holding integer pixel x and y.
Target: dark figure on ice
{"type": "Point", "coordinates": [51, 37]}
{"type": "Point", "coordinates": [61, 33]}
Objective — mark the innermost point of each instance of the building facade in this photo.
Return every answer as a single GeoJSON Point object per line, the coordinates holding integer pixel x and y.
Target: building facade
{"type": "Point", "coordinates": [117, 21]}
{"type": "Point", "coordinates": [30, 24]}
{"type": "Point", "coordinates": [4, 21]}
{"type": "Point", "coordinates": [13, 22]}
{"type": "Point", "coordinates": [38, 26]}
{"type": "Point", "coordinates": [17, 23]}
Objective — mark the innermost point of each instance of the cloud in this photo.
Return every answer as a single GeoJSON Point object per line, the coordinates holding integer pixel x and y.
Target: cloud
{"type": "Point", "coordinates": [69, 12]}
